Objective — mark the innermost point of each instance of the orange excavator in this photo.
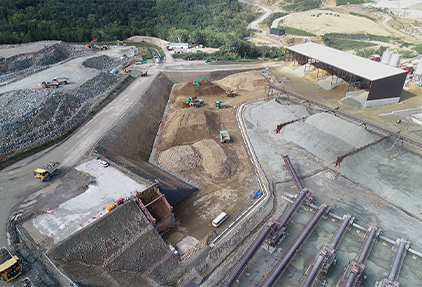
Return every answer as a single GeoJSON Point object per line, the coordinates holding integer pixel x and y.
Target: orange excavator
{"type": "Point", "coordinates": [92, 42]}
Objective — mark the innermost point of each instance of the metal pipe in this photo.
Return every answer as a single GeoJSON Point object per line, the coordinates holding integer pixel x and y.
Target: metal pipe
{"type": "Point", "coordinates": [361, 228]}
{"type": "Point", "coordinates": [247, 256]}
{"type": "Point", "coordinates": [286, 218]}
{"type": "Point", "coordinates": [272, 278]}
{"type": "Point", "coordinates": [293, 171]}
{"type": "Point", "coordinates": [314, 272]}
{"type": "Point", "coordinates": [397, 261]}
{"type": "Point", "coordinates": [367, 245]}
{"type": "Point", "coordinates": [350, 279]}
{"type": "Point", "coordinates": [340, 232]}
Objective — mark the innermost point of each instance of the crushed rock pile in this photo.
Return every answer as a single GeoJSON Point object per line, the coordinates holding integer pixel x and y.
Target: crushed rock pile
{"type": "Point", "coordinates": [38, 115]}
{"type": "Point", "coordinates": [250, 80]}
{"type": "Point", "coordinates": [206, 88]}
{"type": "Point", "coordinates": [335, 136]}
{"type": "Point", "coordinates": [102, 62]}
{"type": "Point", "coordinates": [180, 158]}
{"type": "Point", "coordinates": [13, 68]}
{"type": "Point", "coordinates": [215, 161]}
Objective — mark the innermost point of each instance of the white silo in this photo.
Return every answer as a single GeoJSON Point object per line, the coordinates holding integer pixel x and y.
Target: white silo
{"type": "Point", "coordinates": [386, 57]}
{"type": "Point", "coordinates": [395, 60]}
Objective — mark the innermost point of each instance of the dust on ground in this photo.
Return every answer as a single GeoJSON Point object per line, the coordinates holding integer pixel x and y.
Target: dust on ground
{"type": "Point", "coordinates": [327, 23]}
{"type": "Point", "coordinates": [188, 144]}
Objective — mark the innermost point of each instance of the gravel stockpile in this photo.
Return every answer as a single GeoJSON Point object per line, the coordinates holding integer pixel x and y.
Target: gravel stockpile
{"type": "Point", "coordinates": [180, 158]}
{"type": "Point", "coordinates": [215, 161]}
{"type": "Point", "coordinates": [37, 115]}
{"type": "Point", "coordinates": [102, 62]}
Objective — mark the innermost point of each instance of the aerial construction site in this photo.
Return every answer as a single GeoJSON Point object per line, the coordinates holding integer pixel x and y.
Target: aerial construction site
{"type": "Point", "coordinates": [195, 173]}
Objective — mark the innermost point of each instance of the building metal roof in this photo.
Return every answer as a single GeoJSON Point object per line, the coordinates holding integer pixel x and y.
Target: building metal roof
{"type": "Point", "coordinates": [353, 64]}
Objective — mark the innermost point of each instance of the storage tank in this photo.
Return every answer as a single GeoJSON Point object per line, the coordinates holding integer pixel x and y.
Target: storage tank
{"type": "Point", "coordinates": [386, 57]}
{"type": "Point", "coordinates": [394, 60]}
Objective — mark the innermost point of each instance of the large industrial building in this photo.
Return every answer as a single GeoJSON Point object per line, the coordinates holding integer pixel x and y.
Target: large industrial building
{"type": "Point", "coordinates": [380, 84]}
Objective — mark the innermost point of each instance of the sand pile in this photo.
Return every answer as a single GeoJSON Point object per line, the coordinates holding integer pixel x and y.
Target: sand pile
{"type": "Point", "coordinates": [244, 81]}
{"type": "Point", "coordinates": [180, 158]}
{"type": "Point", "coordinates": [206, 88]}
{"type": "Point", "coordinates": [188, 126]}
{"type": "Point", "coordinates": [312, 76]}
{"type": "Point", "coordinates": [215, 161]}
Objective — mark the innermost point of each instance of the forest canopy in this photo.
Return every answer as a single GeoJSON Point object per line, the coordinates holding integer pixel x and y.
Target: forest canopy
{"type": "Point", "coordinates": [213, 23]}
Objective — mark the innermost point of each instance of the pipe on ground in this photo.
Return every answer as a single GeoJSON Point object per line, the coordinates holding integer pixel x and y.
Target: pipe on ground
{"type": "Point", "coordinates": [272, 278]}
{"type": "Point", "coordinates": [248, 255]}
{"type": "Point", "coordinates": [397, 260]}
{"type": "Point", "coordinates": [339, 234]}
{"type": "Point", "coordinates": [294, 206]}
{"type": "Point", "coordinates": [314, 272]}
{"type": "Point", "coordinates": [292, 171]}
{"type": "Point", "coordinates": [368, 243]}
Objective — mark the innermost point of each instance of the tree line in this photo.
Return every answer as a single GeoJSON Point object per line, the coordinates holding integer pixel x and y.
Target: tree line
{"type": "Point", "coordinates": [213, 23]}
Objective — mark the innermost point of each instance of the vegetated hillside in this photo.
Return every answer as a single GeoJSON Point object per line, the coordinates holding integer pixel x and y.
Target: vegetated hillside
{"type": "Point", "coordinates": [213, 23]}
{"type": "Point", "coordinates": [196, 21]}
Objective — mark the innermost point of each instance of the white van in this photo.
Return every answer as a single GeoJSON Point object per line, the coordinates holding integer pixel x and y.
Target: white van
{"type": "Point", "coordinates": [219, 219]}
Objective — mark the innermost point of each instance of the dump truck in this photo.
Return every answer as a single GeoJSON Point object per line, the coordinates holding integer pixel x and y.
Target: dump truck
{"type": "Point", "coordinates": [60, 81]}
{"type": "Point", "coordinates": [47, 171]}
{"type": "Point", "coordinates": [193, 101]}
{"type": "Point", "coordinates": [144, 73]}
{"type": "Point", "coordinates": [231, 94]}
{"type": "Point", "coordinates": [10, 266]}
{"type": "Point", "coordinates": [220, 104]}
{"type": "Point", "coordinates": [49, 85]}
{"type": "Point", "coordinates": [224, 136]}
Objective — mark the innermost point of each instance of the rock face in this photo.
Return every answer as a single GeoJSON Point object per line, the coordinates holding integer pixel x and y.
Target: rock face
{"type": "Point", "coordinates": [121, 248]}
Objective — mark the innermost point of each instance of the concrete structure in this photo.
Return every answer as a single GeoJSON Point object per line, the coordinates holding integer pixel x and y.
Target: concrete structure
{"type": "Point", "coordinates": [277, 31]}
{"type": "Point", "coordinates": [121, 249]}
{"type": "Point", "coordinates": [384, 84]}
{"type": "Point", "coordinates": [183, 46]}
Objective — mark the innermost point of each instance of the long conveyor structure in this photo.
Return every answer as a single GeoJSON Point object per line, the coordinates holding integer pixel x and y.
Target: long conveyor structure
{"type": "Point", "coordinates": [355, 271]}
{"type": "Point", "coordinates": [326, 257]}
{"type": "Point", "coordinates": [284, 262]}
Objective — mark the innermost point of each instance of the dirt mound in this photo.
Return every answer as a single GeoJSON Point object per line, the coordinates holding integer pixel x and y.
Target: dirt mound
{"type": "Point", "coordinates": [215, 161]}
{"type": "Point", "coordinates": [312, 76]}
{"type": "Point", "coordinates": [206, 88]}
{"type": "Point", "coordinates": [188, 126]}
{"type": "Point", "coordinates": [180, 158]}
{"type": "Point", "coordinates": [244, 81]}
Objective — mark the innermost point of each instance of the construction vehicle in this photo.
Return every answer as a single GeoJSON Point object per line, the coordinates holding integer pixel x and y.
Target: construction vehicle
{"type": "Point", "coordinates": [120, 42]}
{"type": "Point", "coordinates": [224, 136]}
{"type": "Point", "coordinates": [208, 60]}
{"type": "Point", "coordinates": [220, 104]}
{"type": "Point", "coordinates": [144, 73]}
{"type": "Point", "coordinates": [49, 85]}
{"type": "Point", "coordinates": [197, 83]}
{"type": "Point", "coordinates": [193, 101]}
{"type": "Point", "coordinates": [90, 44]}
{"type": "Point", "coordinates": [60, 81]}
{"type": "Point", "coordinates": [231, 94]}
{"type": "Point", "coordinates": [47, 171]}
{"type": "Point", "coordinates": [10, 266]}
